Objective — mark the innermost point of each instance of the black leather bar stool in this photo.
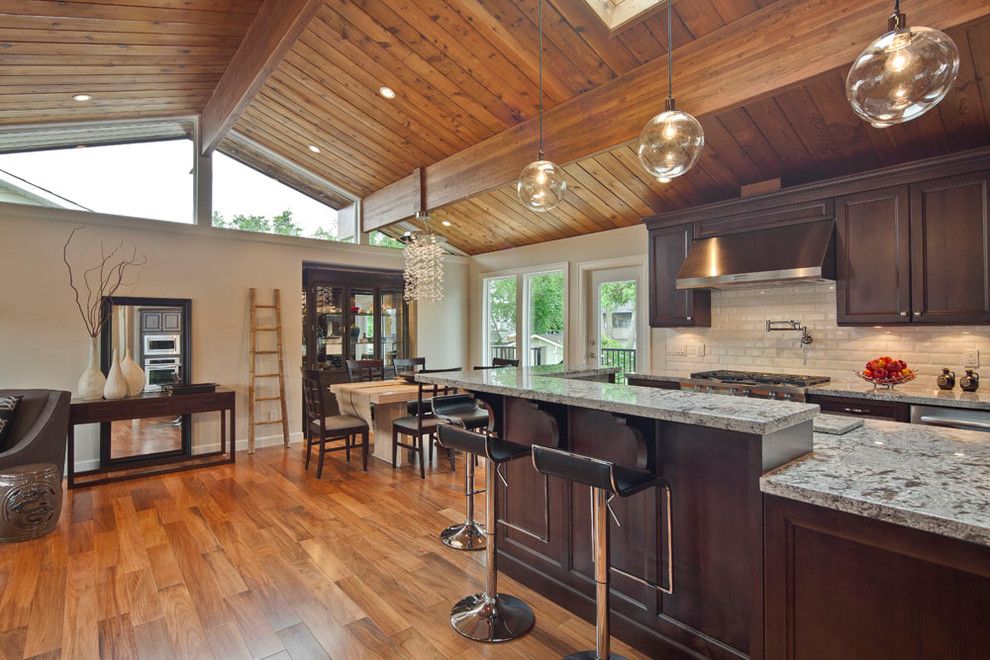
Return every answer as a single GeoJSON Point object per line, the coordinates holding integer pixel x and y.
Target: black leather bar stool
{"type": "Point", "coordinates": [488, 616]}
{"type": "Point", "coordinates": [607, 480]}
{"type": "Point", "coordinates": [464, 411]}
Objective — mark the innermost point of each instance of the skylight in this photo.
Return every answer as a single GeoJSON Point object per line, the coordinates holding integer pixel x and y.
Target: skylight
{"type": "Point", "coordinates": [616, 14]}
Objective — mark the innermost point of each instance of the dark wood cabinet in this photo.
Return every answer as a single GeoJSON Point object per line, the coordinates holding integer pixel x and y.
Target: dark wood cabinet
{"type": "Point", "coordinates": [845, 586]}
{"type": "Point", "coordinates": [837, 405]}
{"type": "Point", "coordinates": [950, 250]}
{"type": "Point", "coordinates": [156, 320]}
{"type": "Point", "coordinates": [671, 307]}
{"type": "Point", "coordinates": [912, 244]}
{"type": "Point", "coordinates": [873, 255]}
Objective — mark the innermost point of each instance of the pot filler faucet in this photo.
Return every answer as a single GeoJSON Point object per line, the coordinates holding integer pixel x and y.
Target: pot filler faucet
{"type": "Point", "coordinates": [783, 326]}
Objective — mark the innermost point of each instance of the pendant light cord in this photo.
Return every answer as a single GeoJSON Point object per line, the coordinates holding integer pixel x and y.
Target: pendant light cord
{"type": "Point", "coordinates": [897, 6]}
{"type": "Point", "coordinates": [670, 56]}
{"type": "Point", "coordinates": [541, 78]}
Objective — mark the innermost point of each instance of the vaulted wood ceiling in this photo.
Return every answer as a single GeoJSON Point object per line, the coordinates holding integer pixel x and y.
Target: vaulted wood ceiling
{"type": "Point", "coordinates": [463, 71]}
{"type": "Point", "coordinates": [802, 134]}
{"type": "Point", "coordinates": [137, 58]}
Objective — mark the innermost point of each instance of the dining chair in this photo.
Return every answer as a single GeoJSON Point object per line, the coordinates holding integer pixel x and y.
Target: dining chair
{"type": "Point", "coordinates": [325, 424]}
{"type": "Point", "coordinates": [420, 423]}
{"type": "Point", "coordinates": [499, 363]}
{"type": "Point", "coordinates": [365, 370]}
{"type": "Point", "coordinates": [408, 364]}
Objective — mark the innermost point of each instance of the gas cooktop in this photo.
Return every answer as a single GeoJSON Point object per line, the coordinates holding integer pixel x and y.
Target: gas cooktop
{"type": "Point", "coordinates": [757, 378]}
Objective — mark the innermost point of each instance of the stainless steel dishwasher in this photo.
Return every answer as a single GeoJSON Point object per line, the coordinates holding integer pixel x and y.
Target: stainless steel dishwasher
{"type": "Point", "coordinates": [956, 418]}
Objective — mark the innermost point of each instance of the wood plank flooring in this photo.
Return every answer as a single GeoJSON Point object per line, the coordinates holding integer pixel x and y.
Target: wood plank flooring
{"type": "Point", "coordinates": [260, 560]}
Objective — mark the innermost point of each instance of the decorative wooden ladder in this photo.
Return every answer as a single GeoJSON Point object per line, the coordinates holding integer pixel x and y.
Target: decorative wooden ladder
{"type": "Point", "coordinates": [253, 397]}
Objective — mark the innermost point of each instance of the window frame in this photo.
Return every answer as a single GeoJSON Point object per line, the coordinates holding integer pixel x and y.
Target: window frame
{"type": "Point", "coordinates": [522, 277]}
{"type": "Point", "coordinates": [202, 198]}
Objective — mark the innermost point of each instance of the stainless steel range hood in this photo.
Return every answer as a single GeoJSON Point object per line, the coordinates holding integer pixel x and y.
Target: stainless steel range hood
{"type": "Point", "coordinates": [780, 255]}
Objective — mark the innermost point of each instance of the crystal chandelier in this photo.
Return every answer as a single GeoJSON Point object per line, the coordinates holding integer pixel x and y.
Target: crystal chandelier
{"type": "Point", "coordinates": [670, 143]}
{"type": "Point", "coordinates": [541, 185]}
{"type": "Point", "coordinates": [903, 74]}
{"type": "Point", "coordinates": [423, 273]}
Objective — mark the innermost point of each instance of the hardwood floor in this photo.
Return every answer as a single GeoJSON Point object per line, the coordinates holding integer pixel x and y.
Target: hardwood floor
{"type": "Point", "coordinates": [260, 560]}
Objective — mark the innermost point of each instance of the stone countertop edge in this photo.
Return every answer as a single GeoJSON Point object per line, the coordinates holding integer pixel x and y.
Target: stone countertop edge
{"type": "Point", "coordinates": [927, 478]}
{"type": "Point", "coordinates": [560, 385]}
{"type": "Point", "coordinates": [915, 392]}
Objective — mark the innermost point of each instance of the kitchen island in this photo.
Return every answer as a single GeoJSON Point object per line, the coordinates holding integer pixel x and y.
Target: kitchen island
{"type": "Point", "coordinates": [711, 449]}
{"type": "Point", "coordinates": [875, 544]}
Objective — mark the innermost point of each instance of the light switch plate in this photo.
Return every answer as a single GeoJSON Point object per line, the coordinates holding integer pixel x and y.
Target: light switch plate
{"type": "Point", "coordinates": [699, 350]}
{"type": "Point", "coordinates": [971, 358]}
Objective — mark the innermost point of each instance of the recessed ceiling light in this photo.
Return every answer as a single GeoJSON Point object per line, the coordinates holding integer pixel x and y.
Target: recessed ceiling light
{"type": "Point", "coordinates": [386, 92]}
{"type": "Point", "coordinates": [445, 223]}
{"type": "Point", "coordinates": [315, 149]}
{"type": "Point", "coordinates": [82, 97]}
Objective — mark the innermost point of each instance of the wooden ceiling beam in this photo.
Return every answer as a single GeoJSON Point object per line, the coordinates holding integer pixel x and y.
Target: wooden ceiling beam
{"type": "Point", "coordinates": [277, 26]}
{"type": "Point", "coordinates": [779, 46]}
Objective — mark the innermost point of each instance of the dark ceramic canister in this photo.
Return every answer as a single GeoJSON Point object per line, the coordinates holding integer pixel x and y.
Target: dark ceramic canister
{"type": "Point", "coordinates": [946, 380]}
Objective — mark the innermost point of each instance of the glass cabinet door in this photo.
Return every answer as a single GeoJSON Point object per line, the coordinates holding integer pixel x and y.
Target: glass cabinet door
{"type": "Point", "coordinates": [329, 327]}
{"type": "Point", "coordinates": [361, 338]}
{"type": "Point", "coordinates": [392, 338]}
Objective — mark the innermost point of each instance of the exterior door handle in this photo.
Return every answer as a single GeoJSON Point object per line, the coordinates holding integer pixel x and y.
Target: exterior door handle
{"type": "Point", "coordinates": [903, 313]}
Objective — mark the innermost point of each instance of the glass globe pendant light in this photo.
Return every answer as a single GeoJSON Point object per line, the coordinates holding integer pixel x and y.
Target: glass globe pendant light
{"type": "Point", "coordinates": [670, 143]}
{"type": "Point", "coordinates": [541, 185]}
{"type": "Point", "coordinates": [903, 74]}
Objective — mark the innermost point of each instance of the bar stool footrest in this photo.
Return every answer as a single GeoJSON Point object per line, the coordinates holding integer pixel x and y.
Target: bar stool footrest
{"type": "Point", "coordinates": [593, 655]}
{"type": "Point", "coordinates": [464, 536]}
{"type": "Point", "coordinates": [477, 617]}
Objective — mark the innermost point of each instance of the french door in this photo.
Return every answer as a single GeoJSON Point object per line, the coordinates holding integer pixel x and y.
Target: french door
{"type": "Point", "coordinates": [614, 324]}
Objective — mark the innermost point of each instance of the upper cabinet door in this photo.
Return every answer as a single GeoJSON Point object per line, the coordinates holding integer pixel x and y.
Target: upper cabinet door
{"type": "Point", "coordinates": [670, 306]}
{"type": "Point", "coordinates": [950, 250]}
{"type": "Point", "coordinates": [873, 273]}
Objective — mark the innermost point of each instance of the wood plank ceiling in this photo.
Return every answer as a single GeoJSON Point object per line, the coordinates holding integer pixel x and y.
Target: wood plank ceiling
{"type": "Point", "coordinates": [136, 58]}
{"type": "Point", "coordinates": [463, 71]}
{"type": "Point", "coordinates": [802, 134]}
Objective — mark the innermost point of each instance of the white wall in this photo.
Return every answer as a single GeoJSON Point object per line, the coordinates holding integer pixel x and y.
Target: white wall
{"type": "Point", "coordinates": [43, 342]}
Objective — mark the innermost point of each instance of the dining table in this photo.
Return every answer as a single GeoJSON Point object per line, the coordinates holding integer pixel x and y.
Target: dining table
{"type": "Point", "coordinates": [379, 403]}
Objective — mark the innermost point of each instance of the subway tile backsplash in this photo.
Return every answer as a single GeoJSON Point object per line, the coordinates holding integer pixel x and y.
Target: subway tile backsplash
{"type": "Point", "coordinates": [738, 338]}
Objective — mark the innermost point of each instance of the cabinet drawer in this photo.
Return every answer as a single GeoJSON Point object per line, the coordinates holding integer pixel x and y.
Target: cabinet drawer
{"type": "Point", "coordinates": [792, 214]}
{"type": "Point", "coordinates": [833, 405]}
{"type": "Point", "coordinates": [207, 402]}
{"type": "Point", "coordinates": [101, 411]}
{"type": "Point", "coordinates": [657, 384]}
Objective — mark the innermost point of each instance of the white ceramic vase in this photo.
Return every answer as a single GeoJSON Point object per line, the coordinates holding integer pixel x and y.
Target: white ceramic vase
{"type": "Point", "coordinates": [116, 387]}
{"type": "Point", "coordinates": [92, 381]}
{"type": "Point", "coordinates": [133, 374]}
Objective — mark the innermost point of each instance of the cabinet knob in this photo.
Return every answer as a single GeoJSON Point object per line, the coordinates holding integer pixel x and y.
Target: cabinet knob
{"type": "Point", "coordinates": [689, 318]}
{"type": "Point", "coordinates": [903, 313]}
{"type": "Point", "coordinates": [917, 313]}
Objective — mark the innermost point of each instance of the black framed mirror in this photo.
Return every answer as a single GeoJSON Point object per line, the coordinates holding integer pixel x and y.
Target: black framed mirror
{"type": "Point", "coordinates": [156, 333]}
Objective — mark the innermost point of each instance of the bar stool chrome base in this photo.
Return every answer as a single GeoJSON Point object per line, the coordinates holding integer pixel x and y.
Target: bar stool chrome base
{"type": "Point", "coordinates": [593, 655]}
{"type": "Point", "coordinates": [482, 619]}
{"type": "Point", "coordinates": [464, 536]}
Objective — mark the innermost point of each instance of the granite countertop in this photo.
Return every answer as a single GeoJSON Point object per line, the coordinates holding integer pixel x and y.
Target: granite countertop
{"type": "Point", "coordinates": [924, 393]}
{"type": "Point", "coordinates": [929, 478]}
{"type": "Point", "coordinates": [921, 391]}
{"type": "Point", "coordinates": [558, 384]}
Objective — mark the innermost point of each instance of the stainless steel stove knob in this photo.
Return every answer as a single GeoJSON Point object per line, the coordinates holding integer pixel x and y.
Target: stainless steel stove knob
{"type": "Point", "coordinates": [747, 392]}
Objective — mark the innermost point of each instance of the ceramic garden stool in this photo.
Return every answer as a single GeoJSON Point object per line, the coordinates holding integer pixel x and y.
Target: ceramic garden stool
{"type": "Point", "coordinates": [30, 501]}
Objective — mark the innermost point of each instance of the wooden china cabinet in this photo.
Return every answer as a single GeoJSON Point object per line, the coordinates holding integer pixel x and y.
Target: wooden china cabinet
{"type": "Point", "coordinates": [352, 314]}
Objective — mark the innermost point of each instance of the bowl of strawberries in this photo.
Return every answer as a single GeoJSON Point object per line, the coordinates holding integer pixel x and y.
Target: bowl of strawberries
{"type": "Point", "coordinates": [887, 372]}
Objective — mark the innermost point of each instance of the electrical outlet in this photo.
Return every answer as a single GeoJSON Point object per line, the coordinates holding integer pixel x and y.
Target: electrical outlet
{"type": "Point", "coordinates": [699, 350]}
{"type": "Point", "coordinates": [971, 358]}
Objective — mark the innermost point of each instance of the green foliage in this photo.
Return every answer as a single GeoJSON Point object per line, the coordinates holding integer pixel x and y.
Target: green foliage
{"type": "Point", "coordinates": [501, 308]}
{"type": "Point", "coordinates": [547, 299]}
{"type": "Point", "coordinates": [282, 224]}
{"type": "Point", "coordinates": [615, 295]}
{"type": "Point", "coordinates": [380, 239]}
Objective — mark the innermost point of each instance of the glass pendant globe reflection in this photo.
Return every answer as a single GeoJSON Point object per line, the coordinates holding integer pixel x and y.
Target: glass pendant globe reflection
{"type": "Point", "coordinates": [541, 186]}
{"type": "Point", "coordinates": [902, 75]}
{"type": "Point", "coordinates": [670, 144]}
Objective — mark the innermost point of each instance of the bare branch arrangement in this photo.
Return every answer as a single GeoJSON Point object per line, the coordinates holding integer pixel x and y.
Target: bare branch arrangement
{"type": "Point", "coordinates": [100, 281]}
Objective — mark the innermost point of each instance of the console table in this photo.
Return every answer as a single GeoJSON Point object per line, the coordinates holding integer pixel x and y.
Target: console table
{"type": "Point", "coordinates": [152, 404]}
